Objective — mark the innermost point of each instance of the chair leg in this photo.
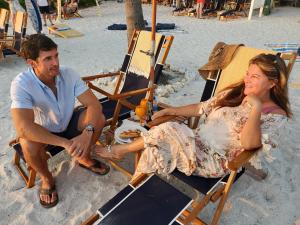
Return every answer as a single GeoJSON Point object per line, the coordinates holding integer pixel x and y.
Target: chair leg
{"type": "Point", "coordinates": [29, 180]}
{"type": "Point", "coordinates": [219, 210]}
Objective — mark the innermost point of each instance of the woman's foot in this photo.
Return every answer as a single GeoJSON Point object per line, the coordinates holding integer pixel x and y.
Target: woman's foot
{"type": "Point", "coordinates": [108, 152]}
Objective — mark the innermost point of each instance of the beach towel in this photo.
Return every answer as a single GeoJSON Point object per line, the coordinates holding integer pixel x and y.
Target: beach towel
{"type": "Point", "coordinates": [159, 26]}
{"type": "Point", "coordinates": [64, 31]}
{"type": "Point", "coordinates": [285, 47]}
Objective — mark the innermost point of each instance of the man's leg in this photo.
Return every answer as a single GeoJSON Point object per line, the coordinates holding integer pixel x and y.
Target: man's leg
{"type": "Point", "coordinates": [82, 122]}
{"type": "Point", "coordinates": [36, 156]}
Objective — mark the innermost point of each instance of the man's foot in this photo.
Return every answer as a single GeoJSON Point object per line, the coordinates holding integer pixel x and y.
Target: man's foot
{"type": "Point", "coordinates": [48, 197]}
{"type": "Point", "coordinates": [107, 152]}
{"type": "Point", "coordinates": [97, 167]}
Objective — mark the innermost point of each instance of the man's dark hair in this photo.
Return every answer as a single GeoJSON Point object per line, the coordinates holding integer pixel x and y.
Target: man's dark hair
{"type": "Point", "coordinates": [35, 43]}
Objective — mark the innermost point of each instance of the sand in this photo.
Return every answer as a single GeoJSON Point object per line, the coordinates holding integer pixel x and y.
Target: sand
{"type": "Point", "coordinates": [275, 200]}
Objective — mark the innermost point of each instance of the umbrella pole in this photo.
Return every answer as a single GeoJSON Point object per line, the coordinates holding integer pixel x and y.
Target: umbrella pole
{"type": "Point", "coordinates": [58, 18]}
{"type": "Point", "coordinates": [151, 82]}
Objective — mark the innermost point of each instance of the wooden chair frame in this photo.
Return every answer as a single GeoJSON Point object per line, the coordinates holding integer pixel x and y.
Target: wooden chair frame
{"type": "Point", "coordinates": [9, 42]}
{"type": "Point", "coordinates": [4, 21]}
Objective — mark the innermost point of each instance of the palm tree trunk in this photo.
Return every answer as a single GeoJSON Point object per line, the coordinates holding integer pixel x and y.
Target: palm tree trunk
{"type": "Point", "coordinates": [134, 16]}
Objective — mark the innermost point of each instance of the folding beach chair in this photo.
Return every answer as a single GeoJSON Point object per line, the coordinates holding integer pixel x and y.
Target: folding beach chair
{"type": "Point", "coordinates": [70, 11]}
{"type": "Point", "coordinates": [4, 19]}
{"type": "Point", "coordinates": [11, 45]}
{"type": "Point", "coordinates": [213, 189]}
{"type": "Point", "coordinates": [134, 74]}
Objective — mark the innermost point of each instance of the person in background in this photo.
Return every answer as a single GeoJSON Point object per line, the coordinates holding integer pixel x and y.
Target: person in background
{"type": "Point", "coordinates": [199, 8]}
{"type": "Point", "coordinates": [45, 10]}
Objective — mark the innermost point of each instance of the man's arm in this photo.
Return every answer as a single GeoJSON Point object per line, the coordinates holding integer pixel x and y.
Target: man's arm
{"type": "Point", "coordinates": [27, 129]}
{"type": "Point", "coordinates": [94, 114]}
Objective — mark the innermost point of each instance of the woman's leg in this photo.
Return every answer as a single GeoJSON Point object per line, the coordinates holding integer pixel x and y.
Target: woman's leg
{"type": "Point", "coordinates": [118, 151]}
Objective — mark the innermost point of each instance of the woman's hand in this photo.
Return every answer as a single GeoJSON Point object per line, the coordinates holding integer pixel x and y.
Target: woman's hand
{"type": "Point", "coordinates": [253, 101]}
{"type": "Point", "coordinates": [161, 113]}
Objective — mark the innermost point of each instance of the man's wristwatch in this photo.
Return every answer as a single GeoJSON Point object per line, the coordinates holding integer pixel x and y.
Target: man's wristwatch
{"type": "Point", "coordinates": [90, 128]}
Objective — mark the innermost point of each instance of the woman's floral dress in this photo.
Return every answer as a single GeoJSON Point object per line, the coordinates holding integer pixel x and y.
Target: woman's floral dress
{"type": "Point", "coordinates": [206, 150]}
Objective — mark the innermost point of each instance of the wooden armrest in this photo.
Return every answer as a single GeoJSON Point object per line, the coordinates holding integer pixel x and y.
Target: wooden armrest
{"type": "Point", "coordinates": [241, 159]}
{"type": "Point", "coordinates": [93, 77]}
{"type": "Point", "coordinates": [93, 87]}
{"type": "Point", "coordinates": [129, 93]}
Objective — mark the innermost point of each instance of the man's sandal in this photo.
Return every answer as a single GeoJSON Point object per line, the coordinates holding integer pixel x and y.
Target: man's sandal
{"type": "Point", "coordinates": [49, 192]}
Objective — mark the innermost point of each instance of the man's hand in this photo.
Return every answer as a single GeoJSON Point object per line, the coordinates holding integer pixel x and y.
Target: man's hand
{"type": "Point", "coordinates": [80, 144]}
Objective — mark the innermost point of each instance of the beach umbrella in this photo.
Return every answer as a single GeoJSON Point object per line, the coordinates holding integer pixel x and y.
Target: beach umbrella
{"type": "Point", "coordinates": [152, 50]}
{"type": "Point", "coordinates": [34, 15]}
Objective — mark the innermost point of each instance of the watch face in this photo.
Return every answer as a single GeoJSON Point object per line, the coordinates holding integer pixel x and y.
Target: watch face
{"type": "Point", "coordinates": [89, 128]}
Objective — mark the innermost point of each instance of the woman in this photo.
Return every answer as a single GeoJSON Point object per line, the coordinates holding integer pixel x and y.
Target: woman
{"type": "Point", "coordinates": [242, 117]}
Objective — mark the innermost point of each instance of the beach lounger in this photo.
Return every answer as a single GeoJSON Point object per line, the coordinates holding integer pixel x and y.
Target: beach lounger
{"type": "Point", "coordinates": [11, 45]}
{"type": "Point", "coordinates": [4, 19]}
{"type": "Point", "coordinates": [213, 189]}
{"type": "Point", "coordinates": [64, 31]}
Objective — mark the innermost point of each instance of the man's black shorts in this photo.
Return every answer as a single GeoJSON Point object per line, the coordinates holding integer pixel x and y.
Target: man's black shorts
{"type": "Point", "coordinates": [71, 130]}
{"type": "Point", "coordinates": [44, 9]}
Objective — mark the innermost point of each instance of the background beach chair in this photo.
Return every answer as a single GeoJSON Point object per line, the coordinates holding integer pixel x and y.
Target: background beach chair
{"type": "Point", "coordinates": [213, 189]}
{"type": "Point", "coordinates": [11, 45]}
{"type": "Point", "coordinates": [4, 20]}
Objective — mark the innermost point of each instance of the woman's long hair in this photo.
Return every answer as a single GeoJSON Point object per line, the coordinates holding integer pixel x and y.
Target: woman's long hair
{"type": "Point", "coordinates": [275, 69]}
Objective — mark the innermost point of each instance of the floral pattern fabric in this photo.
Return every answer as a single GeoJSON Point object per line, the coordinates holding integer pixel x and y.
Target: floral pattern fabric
{"type": "Point", "coordinates": [206, 150]}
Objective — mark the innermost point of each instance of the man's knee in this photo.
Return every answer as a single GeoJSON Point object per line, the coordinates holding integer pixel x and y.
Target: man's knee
{"type": "Point", "coordinates": [31, 148]}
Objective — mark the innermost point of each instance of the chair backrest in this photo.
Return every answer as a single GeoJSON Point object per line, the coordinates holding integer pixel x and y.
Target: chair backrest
{"type": "Point", "coordinates": [235, 71]}
{"type": "Point", "coordinates": [19, 29]}
{"type": "Point", "coordinates": [136, 65]}
{"type": "Point", "coordinates": [4, 18]}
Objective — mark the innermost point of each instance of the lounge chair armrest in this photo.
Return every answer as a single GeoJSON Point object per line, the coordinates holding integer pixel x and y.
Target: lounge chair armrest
{"type": "Point", "coordinates": [242, 158]}
{"type": "Point", "coordinates": [93, 87]}
{"type": "Point", "coordinates": [97, 76]}
{"type": "Point", "coordinates": [130, 93]}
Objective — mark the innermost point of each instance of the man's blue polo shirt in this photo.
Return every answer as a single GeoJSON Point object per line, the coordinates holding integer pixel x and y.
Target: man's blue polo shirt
{"type": "Point", "coordinates": [28, 92]}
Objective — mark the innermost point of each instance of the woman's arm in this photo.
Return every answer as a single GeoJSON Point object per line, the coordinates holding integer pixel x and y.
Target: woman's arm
{"type": "Point", "coordinates": [188, 111]}
{"type": "Point", "coordinates": [251, 133]}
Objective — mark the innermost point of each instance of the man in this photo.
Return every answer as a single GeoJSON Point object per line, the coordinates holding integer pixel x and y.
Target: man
{"type": "Point", "coordinates": [43, 99]}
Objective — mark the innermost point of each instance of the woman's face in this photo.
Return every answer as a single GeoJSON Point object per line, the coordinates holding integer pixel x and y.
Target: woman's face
{"type": "Point", "coordinates": [257, 83]}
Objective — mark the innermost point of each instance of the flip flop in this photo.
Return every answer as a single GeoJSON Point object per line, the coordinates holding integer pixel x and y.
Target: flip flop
{"type": "Point", "coordinates": [49, 192]}
{"type": "Point", "coordinates": [94, 168]}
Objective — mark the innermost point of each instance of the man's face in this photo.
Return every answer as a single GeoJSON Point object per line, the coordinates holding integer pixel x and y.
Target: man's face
{"type": "Point", "coordinates": [47, 64]}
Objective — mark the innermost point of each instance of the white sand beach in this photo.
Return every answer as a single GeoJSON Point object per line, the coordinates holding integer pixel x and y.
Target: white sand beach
{"type": "Point", "coordinates": [275, 200]}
